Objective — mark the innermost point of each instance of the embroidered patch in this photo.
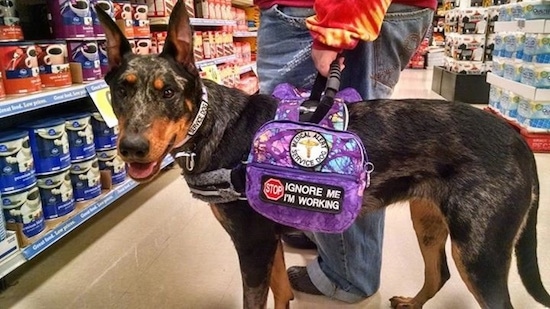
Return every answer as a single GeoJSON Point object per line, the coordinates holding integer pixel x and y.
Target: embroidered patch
{"type": "Point", "coordinates": [308, 148]}
{"type": "Point", "coordinates": [301, 194]}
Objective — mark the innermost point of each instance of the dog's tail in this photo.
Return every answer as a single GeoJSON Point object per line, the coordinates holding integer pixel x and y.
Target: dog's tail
{"type": "Point", "coordinates": [526, 251]}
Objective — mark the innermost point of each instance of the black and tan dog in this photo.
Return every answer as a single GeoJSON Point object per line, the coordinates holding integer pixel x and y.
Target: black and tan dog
{"type": "Point", "coordinates": [466, 173]}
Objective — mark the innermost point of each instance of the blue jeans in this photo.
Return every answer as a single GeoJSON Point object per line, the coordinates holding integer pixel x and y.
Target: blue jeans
{"type": "Point", "coordinates": [348, 265]}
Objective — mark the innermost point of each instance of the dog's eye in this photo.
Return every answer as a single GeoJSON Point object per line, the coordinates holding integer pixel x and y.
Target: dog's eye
{"type": "Point", "coordinates": [167, 93]}
{"type": "Point", "coordinates": [121, 91]}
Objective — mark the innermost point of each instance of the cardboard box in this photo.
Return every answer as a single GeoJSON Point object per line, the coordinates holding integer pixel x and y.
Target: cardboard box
{"type": "Point", "coordinates": [8, 246]}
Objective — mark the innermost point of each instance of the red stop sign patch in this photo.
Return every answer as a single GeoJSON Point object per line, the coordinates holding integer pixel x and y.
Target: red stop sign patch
{"type": "Point", "coordinates": [273, 189]}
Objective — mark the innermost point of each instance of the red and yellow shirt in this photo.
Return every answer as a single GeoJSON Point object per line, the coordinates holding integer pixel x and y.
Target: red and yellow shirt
{"type": "Point", "coordinates": [341, 24]}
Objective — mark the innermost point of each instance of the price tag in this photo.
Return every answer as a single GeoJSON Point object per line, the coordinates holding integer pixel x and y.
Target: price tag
{"type": "Point", "coordinates": [101, 95]}
{"type": "Point", "coordinates": [212, 73]}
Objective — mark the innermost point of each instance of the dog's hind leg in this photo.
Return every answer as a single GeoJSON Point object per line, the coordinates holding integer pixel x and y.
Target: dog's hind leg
{"type": "Point", "coordinates": [279, 283]}
{"type": "Point", "coordinates": [431, 232]}
{"type": "Point", "coordinates": [485, 276]}
{"type": "Point", "coordinates": [256, 242]}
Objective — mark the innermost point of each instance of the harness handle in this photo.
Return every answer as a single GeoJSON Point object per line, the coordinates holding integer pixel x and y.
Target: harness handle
{"type": "Point", "coordinates": [323, 101]}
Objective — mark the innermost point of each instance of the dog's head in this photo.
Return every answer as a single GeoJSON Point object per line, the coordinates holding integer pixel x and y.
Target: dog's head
{"type": "Point", "coordinates": [154, 97]}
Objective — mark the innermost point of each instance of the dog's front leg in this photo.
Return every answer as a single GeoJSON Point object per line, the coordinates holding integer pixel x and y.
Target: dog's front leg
{"type": "Point", "coordinates": [256, 241]}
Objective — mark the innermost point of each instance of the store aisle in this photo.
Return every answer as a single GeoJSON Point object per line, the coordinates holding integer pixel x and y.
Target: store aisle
{"type": "Point", "coordinates": [158, 248]}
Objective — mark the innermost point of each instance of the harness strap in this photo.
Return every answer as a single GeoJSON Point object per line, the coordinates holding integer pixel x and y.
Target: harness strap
{"type": "Point", "coordinates": [218, 186]}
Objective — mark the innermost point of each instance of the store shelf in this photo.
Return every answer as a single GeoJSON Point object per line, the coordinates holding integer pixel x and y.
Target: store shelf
{"type": "Point", "coordinates": [526, 91]}
{"type": "Point", "coordinates": [245, 34]}
{"type": "Point", "coordinates": [219, 60]}
{"type": "Point", "coordinates": [21, 104]}
{"type": "Point", "coordinates": [247, 68]}
{"type": "Point", "coordinates": [527, 26]}
{"type": "Point", "coordinates": [242, 2]}
{"type": "Point", "coordinates": [55, 234]}
{"type": "Point", "coordinates": [163, 21]}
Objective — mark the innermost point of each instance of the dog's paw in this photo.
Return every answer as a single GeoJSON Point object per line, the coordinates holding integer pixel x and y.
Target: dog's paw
{"type": "Point", "coordinates": [400, 302]}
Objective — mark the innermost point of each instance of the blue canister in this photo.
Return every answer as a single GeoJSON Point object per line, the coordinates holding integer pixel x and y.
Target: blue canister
{"type": "Point", "coordinates": [81, 136]}
{"type": "Point", "coordinates": [109, 160]}
{"type": "Point", "coordinates": [56, 193]}
{"type": "Point", "coordinates": [16, 163]}
{"type": "Point", "coordinates": [49, 145]}
{"type": "Point", "coordinates": [104, 137]}
{"type": "Point", "coordinates": [24, 209]}
{"type": "Point", "coordinates": [85, 178]}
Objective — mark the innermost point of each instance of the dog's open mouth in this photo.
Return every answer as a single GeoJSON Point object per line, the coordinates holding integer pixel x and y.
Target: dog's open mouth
{"type": "Point", "coordinates": [145, 171]}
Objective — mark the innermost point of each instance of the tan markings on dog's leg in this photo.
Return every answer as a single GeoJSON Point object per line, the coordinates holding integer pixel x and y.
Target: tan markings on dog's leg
{"type": "Point", "coordinates": [158, 84]}
{"type": "Point", "coordinates": [431, 232]}
{"type": "Point", "coordinates": [464, 274]}
{"type": "Point", "coordinates": [279, 282]}
{"type": "Point", "coordinates": [216, 213]}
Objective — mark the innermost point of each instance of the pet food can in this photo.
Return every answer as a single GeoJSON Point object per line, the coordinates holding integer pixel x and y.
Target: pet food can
{"type": "Point", "coordinates": [71, 19]}
{"type": "Point", "coordinates": [85, 178]}
{"type": "Point", "coordinates": [20, 67]}
{"type": "Point", "coordinates": [107, 7]}
{"type": "Point", "coordinates": [103, 60]}
{"type": "Point", "coordinates": [53, 63]}
{"type": "Point", "coordinates": [86, 54]}
{"type": "Point", "coordinates": [109, 160]}
{"type": "Point", "coordinates": [49, 145]}
{"type": "Point", "coordinates": [10, 29]}
{"type": "Point", "coordinates": [104, 137]}
{"type": "Point", "coordinates": [56, 193]}
{"type": "Point", "coordinates": [24, 209]}
{"type": "Point", "coordinates": [16, 163]}
{"type": "Point", "coordinates": [81, 136]}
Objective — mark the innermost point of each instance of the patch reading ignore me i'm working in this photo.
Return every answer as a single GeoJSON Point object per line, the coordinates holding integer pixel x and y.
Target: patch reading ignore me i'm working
{"type": "Point", "coordinates": [301, 194]}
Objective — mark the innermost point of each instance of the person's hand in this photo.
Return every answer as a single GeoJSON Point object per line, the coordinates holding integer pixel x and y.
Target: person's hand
{"type": "Point", "coordinates": [322, 58]}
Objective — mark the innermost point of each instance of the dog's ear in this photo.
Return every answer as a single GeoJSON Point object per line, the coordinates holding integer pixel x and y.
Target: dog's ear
{"type": "Point", "coordinates": [117, 44]}
{"type": "Point", "coordinates": [179, 41]}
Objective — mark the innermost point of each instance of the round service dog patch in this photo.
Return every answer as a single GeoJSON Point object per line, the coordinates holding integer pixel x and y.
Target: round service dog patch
{"type": "Point", "coordinates": [308, 148]}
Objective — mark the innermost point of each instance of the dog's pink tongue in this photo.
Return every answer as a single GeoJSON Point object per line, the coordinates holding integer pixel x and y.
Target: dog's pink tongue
{"type": "Point", "coordinates": [141, 170]}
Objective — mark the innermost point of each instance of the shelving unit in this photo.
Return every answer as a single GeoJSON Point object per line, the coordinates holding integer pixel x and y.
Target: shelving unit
{"type": "Point", "coordinates": [526, 91]}
{"type": "Point", "coordinates": [163, 21]}
{"type": "Point", "coordinates": [18, 105]}
{"type": "Point", "coordinates": [76, 219]}
{"type": "Point", "coordinates": [519, 112]}
{"type": "Point", "coordinates": [22, 104]}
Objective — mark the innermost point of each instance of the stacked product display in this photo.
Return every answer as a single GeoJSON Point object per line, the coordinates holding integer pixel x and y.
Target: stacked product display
{"type": "Point", "coordinates": [58, 158]}
{"type": "Point", "coordinates": [466, 41]}
{"type": "Point", "coordinates": [520, 88]}
{"type": "Point", "coordinates": [49, 165]}
{"type": "Point", "coordinates": [468, 50]}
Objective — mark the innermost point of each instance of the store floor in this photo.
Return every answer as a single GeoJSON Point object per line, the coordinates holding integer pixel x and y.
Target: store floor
{"type": "Point", "coordinates": [158, 248]}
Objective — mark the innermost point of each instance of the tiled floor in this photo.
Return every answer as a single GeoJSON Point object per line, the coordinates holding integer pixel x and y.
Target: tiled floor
{"type": "Point", "coordinates": [158, 248]}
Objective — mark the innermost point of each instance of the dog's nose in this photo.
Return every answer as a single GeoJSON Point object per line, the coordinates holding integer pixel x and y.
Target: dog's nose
{"type": "Point", "coordinates": [133, 146]}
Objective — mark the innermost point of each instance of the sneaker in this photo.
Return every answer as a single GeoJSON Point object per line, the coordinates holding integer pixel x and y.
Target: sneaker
{"type": "Point", "coordinates": [298, 240]}
{"type": "Point", "coordinates": [299, 280]}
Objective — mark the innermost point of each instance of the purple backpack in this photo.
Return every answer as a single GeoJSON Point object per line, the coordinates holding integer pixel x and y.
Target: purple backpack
{"type": "Point", "coordinates": [310, 176]}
